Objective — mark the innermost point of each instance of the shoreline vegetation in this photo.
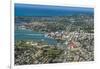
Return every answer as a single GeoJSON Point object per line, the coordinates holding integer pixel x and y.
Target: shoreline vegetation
{"type": "Point", "coordinates": [74, 36]}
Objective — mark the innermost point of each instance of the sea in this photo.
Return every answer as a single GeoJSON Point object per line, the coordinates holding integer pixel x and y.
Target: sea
{"type": "Point", "coordinates": [47, 10]}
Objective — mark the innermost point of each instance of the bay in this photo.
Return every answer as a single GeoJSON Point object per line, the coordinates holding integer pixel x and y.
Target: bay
{"type": "Point", "coordinates": [36, 36]}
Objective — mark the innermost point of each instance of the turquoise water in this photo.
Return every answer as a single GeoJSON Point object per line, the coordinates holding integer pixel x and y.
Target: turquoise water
{"type": "Point", "coordinates": [29, 35]}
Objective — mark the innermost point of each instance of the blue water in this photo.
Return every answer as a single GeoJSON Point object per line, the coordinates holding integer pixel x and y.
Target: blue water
{"type": "Point", "coordinates": [46, 10]}
{"type": "Point", "coordinates": [29, 35]}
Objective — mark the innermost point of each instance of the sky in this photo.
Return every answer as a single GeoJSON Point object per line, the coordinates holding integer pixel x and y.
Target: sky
{"type": "Point", "coordinates": [77, 3]}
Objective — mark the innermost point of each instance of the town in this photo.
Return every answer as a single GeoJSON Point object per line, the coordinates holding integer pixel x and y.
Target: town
{"type": "Point", "coordinates": [74, 35]}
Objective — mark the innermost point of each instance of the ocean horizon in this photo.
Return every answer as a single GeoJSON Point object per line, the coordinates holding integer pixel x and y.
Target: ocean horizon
{"type": "Point", "coordinates": [48, 10]}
